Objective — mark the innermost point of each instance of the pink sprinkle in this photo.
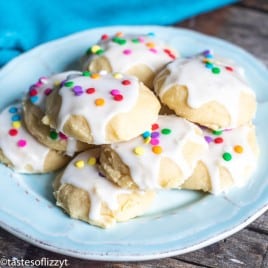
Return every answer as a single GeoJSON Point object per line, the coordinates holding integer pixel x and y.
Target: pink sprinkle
{"type": "Point", "coordinates": [127, 51]}
{"type": "Point", "coordinates": [63, 136]}
{"type": "Point", "coordinates": [43, 80]}
{"type": "Point", "coordinates": [153, 50]}
{"type": "Point", "coordinates": [141, 39]}
{"type": "Point", "coordinates": [154, 141]}
{"type": "Point", "coordinates": [115, 92]}
{"type": "Point", "coordinates": [48, 91]}
{"type": "Point", "coordinates": [38, 84]}
{"type": "Point", "coordinates": [22, 143]}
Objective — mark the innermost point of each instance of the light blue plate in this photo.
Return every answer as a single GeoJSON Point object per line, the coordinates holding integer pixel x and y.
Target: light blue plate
{"type": "Point", "coordinates": [180, 221]}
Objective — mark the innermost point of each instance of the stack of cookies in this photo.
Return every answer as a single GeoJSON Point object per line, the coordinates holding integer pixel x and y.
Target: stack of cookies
{"type": "Point", "coordinates": [135, 119]}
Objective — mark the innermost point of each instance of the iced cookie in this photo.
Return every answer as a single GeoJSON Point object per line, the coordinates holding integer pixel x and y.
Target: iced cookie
{"type": "Point", "coordinates": [20, 150]}
{"type": "Point", "coordinates": [207, 90]}
{"type": "Point", "coordinates": [139, 55]}
{"type": "Point", "coordinates": [34, 110]}
{"type": "Point", "coordinates": [86, 195]}
{"type": "Point", "coordinates": [229, 161]}
{"type": "Point", "coordinates": [100, 108]}
{"type": "Point", "coordinates": [164, 156]}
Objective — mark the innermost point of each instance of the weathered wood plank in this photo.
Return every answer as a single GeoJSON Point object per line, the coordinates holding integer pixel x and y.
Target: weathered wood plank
{"type": "Point", "coordinates": [257, 4]}
{"type": "Point", "coordinates": [261, 224]}
{"type": "Point", "coordinates": [244, 249]}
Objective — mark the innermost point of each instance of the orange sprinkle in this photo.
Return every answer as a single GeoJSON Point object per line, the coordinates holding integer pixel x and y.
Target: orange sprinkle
{"type": "Point", "coordinates": [119, 34]}
{"type": "Point", "coordinates": [157, 149]}
{"type": "Point", "coordinates": [99, 102]}
{"type": "Point", "coordinates": [238, 149]}
{"type": "Point", "coordinates": [95, 76]}
{"type": "Point", "coordinates": [150, 45]}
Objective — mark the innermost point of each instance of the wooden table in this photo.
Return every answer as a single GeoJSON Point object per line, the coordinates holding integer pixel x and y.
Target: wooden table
{"type": "Point", "coordinates": [244, 24]}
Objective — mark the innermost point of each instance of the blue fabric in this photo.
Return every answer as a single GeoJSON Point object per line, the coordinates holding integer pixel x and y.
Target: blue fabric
{"type": "Point", "coordinates": [27, 23]}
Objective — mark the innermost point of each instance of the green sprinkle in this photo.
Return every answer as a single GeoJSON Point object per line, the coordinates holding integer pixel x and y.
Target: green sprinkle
{"type": "Point", "coordinates": [216, 70]}
{"type": "Point", "coordinates": [227, 156]}
{"type": "Point", "coordinates": [69, 84]}
{"type": "Point", "coordinates": [135, 40]}
{"type": "Point", "coordinates": [119, 40]}
{"type": "Point", "coordinates": [217, 132]}
{"type": "Point", "coordinates": [100, 52]}
{"type": "Point", "coordinates": [166, 131]}
{"type": "Point", "coordinates": [86, 73]}
{"type": "Point", "coordinates": [53, 135]}
{"type": "Point", "coordinates": [88, 52]}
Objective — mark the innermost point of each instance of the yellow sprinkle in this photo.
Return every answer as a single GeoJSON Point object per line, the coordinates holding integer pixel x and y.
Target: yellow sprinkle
{"type": "Point", "coordinates": [56, 83]}
{"type": "Point", "coordinates": [92, 161]}
{"type": "Point", "coordinates": [117, 75]}
{"type": "Point", "coordinates": [150, 45]}
{"type": "Point", "coordinates": [79, 164]}
{"type": "Point", "coordinates": [16, 124]}
{"type": "Point", "coordinates": [147, 140]}
{"type": "Point", "coordinates": [99, 102]}
{"type": "Point", "coordinates": [238, 149]}
{"type": "Point", "coordinates": [207, 61]}
{"type": "Point", "coordinates": [138, 150]}
{"type": "Point", "coordinates": [95, 76]}
{"type": "Point", "coordinates": [119, 34]}
{"type": "Point", "coordinates": [157, 149]}
{"type": "Point", "coordinates": [95, 48]}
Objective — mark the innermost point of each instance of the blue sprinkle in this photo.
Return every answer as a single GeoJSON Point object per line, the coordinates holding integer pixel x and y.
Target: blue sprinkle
{"type": "Point", "coordinates": [146, 134]}
{"type": "Point", "coordinates": [151, 34]}
{"type": "Point", "coordinates": [13, 110]}
{"type": "Point", "coordinates": [16, 117]}
{"type": "Point", "coordinates": [209, 65]}
{"type": "Point", "coordinates": [34, 99]}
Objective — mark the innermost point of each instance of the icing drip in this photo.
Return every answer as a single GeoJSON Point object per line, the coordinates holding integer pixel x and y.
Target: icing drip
{"type": "Point", "coordinates": [17, 144]}
{"type": "Point", "coordinates": [166, 139]}
{"type": "Point", "coordinates": [229, 149]}
{"type": "Point", "coordinates": [208, 79]}
{"type": "Point", "coordinates": [82, 173]}
{"type": "Point", "coordinates": [71, 146]}
{"type": "Point", "coordinates": [98, 98]}
{"type": "Point", "coordinates": [126, 51]}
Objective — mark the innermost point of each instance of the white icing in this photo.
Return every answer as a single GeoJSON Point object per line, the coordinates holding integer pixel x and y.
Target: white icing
{"type": "Point", "coordinates": [84, 105]}
{"type": "Point", "coordinates": [155, 59]}
{"type": "Point", "coordinates": [240, 162]}
{"type": "Point", "coordinates": [144, 169]}
{"type": "Point", "coordinates": [100, 190]}
{"type": "Point", "coordinates": [33, 154]}
{"type": "Point", "coordinates": [204, 86]}
{"type": "Point", "coordinates": [71, 146]}
{"type": "Point", "coordinates": [48, 83]}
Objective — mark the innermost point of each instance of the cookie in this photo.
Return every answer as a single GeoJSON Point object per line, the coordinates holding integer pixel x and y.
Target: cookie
{"type": "Point", "coordinates": [207, 90]}
{"type": "Point", "coordinates": [164, 156]}
{"type": "Point", "coordinates": [87, 195]}
{"type": "Point", "coordinates": [229, 161]}
{"type": "Point", "coordinates": [100, 108]}
{"type": "Point", "coordinates": [34, 110]}
{"type": "Point", "coordinates": [20, 150]}
{"type": "Point", "coordinates": [139, 55]}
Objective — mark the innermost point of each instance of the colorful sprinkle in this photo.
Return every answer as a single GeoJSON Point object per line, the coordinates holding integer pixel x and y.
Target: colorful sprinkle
{"type": "Point", "coordinates": [154, 141]}
{"type": "Point", "coordinates": [135, 40]}
{"type": "Point", "coordinates": [218, 140]}
{"type": "Point", "coordinates": [48, 91]}
{"type": "Point", "coordinates": [119, 41]}
{"type": "Point", "coordinates": [155, 126]}
{"type": "Point", "coordinates": [91, 90]}
{"type": "Point", "coordinates": [95, 48]}
{"type": "Point", "coordinates": [126, 82]}
{"type": "Point", "coordinates": [100, 52]}
{"type": "Point", "coordinates": [92, 161]}
{"type": "Point", "coordinates": [104, 37]}
{"type": "Point", "coordinates": [238, 149]}
{"type": "Point", "coordinates": [69, 84]}
{"type": "Point", "coordinates": [99, 102]}
{"type": "Point", "coordinates": [13, 110]}
{"type": "Point", "coordinates": [153, 50]}
{"type": "Point", "coordinates": [227, 156]}
{"type": "Point", "coordinates": [151, 34]}
{"type": "Point", "coordinates": [16, 117]}
{"type": "Point", "coordinates": [229, 68]}
{"type": "Point", "coordinates": [127, 51]}
{"type": "Point", "coordinates": [34, 99]}
{"type": "Point", "coordinates": [79, 164]}
{"type": "Point", "coordinates": [119, 34]}
{"type": "Point", "coordinates": [209, 65]}
{"type": "Point", "coordinates": [147, 140]}
{"type": "Point", "coordinates": [208, 139]}
{"type": "Point", "coordinates": [138, 150]}
{"type": "Point", "coordinates": [115, 92]}
{"type": "Point", "coordinates": [117, 75]}
{"type": "Point", "coordinates": [166, 131]}
{"type": "Point", "coordinates": [150, 44]}
{"type": "Point", "coordinates": [63, 136]}
{"type": "Point", "coordinates": [78, 90]}
{"type": "Point", "coordinates": [13, 132]}
{"type": "Point", "coordinates": [118, 97]}
{"type": "Point", "coordinates": [16, 124]}
{"type": "Point", "coordinates": [146, 134]}
{"type": "Point", "coordinates": [53, 135]}
{"type": "Point", "coordinates": [217, 132]}
{"type": "Point", "coordinates": [216, 70]}
{"type": "Point", "coordinates": [86, 73]}
{"type": "Point", "coordinates": [157, 149]}
{"type": "Point", "coordinates": [95, 76]}
{"type": "Point", "coordinates": [33, 92]}
{"type": "Point", "coordinates": [22, 143]}
{"type": "Point", "coordinates": [155, 135]}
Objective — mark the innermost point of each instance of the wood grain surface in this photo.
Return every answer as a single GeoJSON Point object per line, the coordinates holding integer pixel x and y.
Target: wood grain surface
{"type": "Point", "coordinates": [244, 24]}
